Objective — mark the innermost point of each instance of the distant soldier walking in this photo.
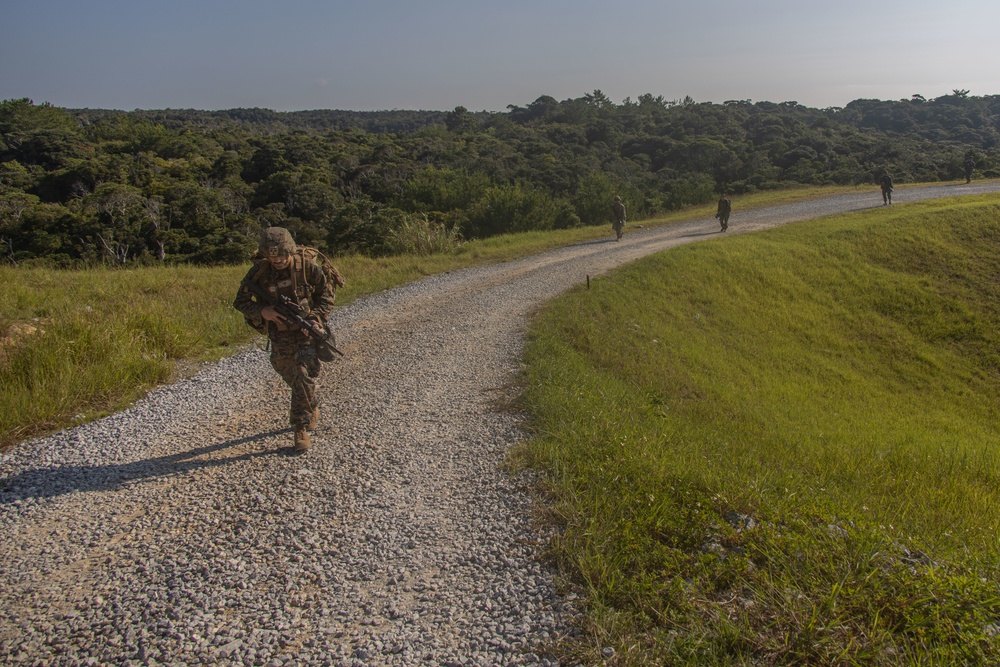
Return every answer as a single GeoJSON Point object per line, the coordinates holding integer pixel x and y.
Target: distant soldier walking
{"type": "Point", "coordinates": [618, 217]}
{"type": "Point", "coordinates": [886, 184]}
{"type": "Point", "coordinates": [722, 213]}
{"type": "Point", "coordinates": [969, 166]}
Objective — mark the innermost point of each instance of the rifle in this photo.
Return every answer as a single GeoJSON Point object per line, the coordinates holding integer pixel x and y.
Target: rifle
{"type": "Point", "coordinates": [293, 313]}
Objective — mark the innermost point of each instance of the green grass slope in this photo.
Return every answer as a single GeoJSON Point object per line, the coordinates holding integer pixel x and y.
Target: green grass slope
{"type": "Point", "coordinates": [781, 448]}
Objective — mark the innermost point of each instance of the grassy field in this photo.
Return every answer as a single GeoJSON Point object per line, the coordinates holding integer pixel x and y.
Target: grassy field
{"type": "Point", "coordinates": [76, 345]}
{"type": "Point", "coordinates": [781, 448]}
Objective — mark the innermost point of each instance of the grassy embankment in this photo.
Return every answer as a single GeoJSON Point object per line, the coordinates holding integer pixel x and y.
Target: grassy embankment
{"type": "Point", "coordinates": [75, 345]}
{"type": "Point", "coordinates": [781, 448]}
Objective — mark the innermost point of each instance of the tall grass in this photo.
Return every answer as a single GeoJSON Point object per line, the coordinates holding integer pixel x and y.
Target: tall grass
{"type": "Point", "coordinates": [418, 235]}
{"type": "Point", "coordinates": [782, 448]}
{"type": "Point", "coordinates": [78, 344]}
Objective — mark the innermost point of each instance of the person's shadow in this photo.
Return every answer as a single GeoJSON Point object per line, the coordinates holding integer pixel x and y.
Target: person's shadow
{"type": "Point", "coordinates": [694, 234]}
{"type": "Point", "coordinates": [58, 480]}
{"type": "Point", "coordinates": [594, 242]}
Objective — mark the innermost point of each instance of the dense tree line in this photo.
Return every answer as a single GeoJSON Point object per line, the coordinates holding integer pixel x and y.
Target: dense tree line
{"type": "Point", "coordinates": [93, 186]}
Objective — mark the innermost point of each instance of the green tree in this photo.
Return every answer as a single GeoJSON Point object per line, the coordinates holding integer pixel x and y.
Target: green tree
{"type": "Point", "coordinates": [39, 134]}
{"type": "Point", "coordinates": [593, 198]}
{"type": "Point", "coordinates": [459, 120]}
{"type": "Point", "coordinates": [513, 208]}
{"type": "Point", "coordinates": [121, 216]}
{"type": "Point", "coordinates": [442, 189]}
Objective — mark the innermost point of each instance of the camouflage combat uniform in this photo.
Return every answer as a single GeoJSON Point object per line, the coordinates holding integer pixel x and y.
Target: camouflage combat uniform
{"type": "Point", "coordinates": [293, 353]}
{"type": "Point", "coordinates": [886, 185]}
{"type": "Point", "coordinates": [618, 217]}
{"type": "Point", "coordinates": [722, 213]}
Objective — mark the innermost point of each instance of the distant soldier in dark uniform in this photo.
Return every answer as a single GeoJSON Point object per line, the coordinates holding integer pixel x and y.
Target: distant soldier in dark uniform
{"type": "Point", "coordinates": [725, 208]}
{"type": "Point", "coordinates": [970, 166]}
{"type": "Point", "coordinates": [618, 217]}
{"type": "Point", "coordinates": [886, 185]}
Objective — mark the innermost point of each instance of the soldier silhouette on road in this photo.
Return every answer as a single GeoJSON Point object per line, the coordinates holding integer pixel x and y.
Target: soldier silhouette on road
{"type": "Point", "coordinates": [886, 184]}
{"type": "Point", "coordinates": [618, 217]}
{"type": "Point", "coordinates": [722, 213]}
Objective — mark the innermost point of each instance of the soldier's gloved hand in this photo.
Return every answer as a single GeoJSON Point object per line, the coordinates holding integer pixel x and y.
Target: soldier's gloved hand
{"type": "Point", "coordinates": [317, 321]}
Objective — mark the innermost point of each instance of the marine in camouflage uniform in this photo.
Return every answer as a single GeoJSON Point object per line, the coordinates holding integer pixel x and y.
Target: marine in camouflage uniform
{"type": "Point", "coordinates": [970, 166]}
{"type": "Point", "coordinates": [886, 184]}
{"type": "Point", "coordinates": [618, 217]}
{"type": "Point", "coordinates": [284, 271]}
{"type": "Point", "coordinates": [723, 211]}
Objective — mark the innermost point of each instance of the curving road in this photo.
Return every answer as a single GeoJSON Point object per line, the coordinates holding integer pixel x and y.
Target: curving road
{"type": "Point", "coordinates": [182, 532]}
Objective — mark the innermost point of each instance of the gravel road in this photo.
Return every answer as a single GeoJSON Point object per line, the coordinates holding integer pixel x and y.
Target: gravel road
{"type": "Point", "coordinates": [181, 531]}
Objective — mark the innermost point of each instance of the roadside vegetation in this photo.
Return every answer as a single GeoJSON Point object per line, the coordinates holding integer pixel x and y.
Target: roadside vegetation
{"type": "Point", "coordinates": [781, 448]}
{"type": "Point", "coordinates": [85, 186]}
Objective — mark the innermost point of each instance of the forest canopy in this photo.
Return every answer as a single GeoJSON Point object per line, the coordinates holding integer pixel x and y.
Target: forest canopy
{"type": "Point", "coordinates": [87, 186]}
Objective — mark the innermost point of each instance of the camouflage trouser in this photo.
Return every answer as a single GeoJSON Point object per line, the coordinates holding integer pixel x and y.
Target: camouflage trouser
{"type": "Point", "coordinates": [294, 357]}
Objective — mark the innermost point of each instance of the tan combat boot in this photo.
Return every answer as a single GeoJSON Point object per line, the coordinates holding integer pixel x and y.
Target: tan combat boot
{"type": "Point", "coordinates": [301, 439]}
{"type": "Point", "coordinates": [314, 419]}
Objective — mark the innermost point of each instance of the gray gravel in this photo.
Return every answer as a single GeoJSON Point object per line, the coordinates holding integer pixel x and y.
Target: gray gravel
{"type": "Point", "coordinates": [181, 531]}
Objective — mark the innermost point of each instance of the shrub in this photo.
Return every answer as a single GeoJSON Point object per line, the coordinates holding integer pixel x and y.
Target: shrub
{"type": "Point", "coordinates": [418, 235]}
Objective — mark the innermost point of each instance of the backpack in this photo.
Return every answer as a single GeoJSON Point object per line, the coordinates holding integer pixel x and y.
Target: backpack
{"type": "Point", "coordinates": [333, 276]}
{"type": "Point", "coordinates": [308, 254]}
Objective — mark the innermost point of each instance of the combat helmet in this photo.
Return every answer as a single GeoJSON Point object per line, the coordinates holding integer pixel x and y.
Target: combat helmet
{"type": "Point", "coordinates": [276, 241]}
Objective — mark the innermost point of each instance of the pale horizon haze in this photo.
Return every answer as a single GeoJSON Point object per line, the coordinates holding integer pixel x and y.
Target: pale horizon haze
{"type": "Point", "coordinates": [440, 54]}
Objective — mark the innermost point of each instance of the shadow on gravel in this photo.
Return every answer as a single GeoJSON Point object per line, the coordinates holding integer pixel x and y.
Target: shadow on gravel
{"type": "Point", "coordinates": [693, 234]}
{"type": "Point", "coordinates": [594, 242]}
{"type": "Point", "coordinates": [60, 480]}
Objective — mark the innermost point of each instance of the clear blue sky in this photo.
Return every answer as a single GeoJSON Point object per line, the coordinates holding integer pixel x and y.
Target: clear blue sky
{"type": "Point", "coordinates": [290, 55]}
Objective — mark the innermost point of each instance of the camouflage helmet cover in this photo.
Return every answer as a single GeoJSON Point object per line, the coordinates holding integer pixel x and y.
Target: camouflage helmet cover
{"type": "Point", "coordinates": [276, 241]}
